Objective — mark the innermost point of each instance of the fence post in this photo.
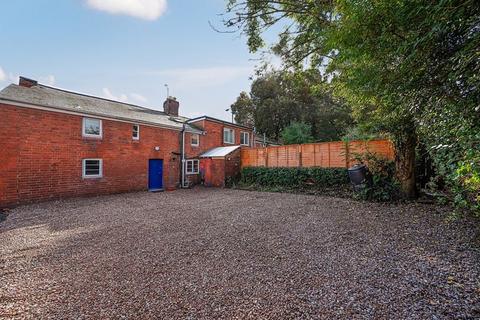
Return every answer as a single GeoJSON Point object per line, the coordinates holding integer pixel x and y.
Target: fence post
{"type": "Point", "coordinates": [265, 156]}
{"type": "Point", "coordinates": [347, 154]}
{"type": "Point", "coordinates": [300, 154]}
{"type": "Point", "coordinates": [287, 153]}
{"type": "Point", "coordinates": [328, 154]}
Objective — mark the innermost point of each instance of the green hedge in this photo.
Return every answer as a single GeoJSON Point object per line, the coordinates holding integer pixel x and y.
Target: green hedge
{"type": "Point", "coordinates": [295, 178]}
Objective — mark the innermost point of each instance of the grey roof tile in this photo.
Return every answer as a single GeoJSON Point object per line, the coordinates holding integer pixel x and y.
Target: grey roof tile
{"type": "Point", "coordinates": [55, 98]}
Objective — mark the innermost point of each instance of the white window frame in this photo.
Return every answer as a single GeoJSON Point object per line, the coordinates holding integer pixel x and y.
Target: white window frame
{"type": "Point", "coordinates": [243, 134]}
{"type": "Point", "coordinates": [90, 176]}
{"type": "Point", "coordinates": [198, 140]}
{"type": "Point", "coordinates": [233, 135]}
{"type": "Point", "coordinates": [193, 171]}
{"type": "Point", "coordinates": [88, 135]}
{"type": "Point", "coordinates": [138, 132]}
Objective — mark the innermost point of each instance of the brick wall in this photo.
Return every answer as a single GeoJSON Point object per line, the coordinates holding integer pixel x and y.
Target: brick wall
{"type": "Point", "coordinates": [232, 164]}
{"type": "Point", "coordinates": [213, 137]}
{"type": "Point", "coordinates": [216, 170]}
{"type": "Point", "coordinates": [41, 156]}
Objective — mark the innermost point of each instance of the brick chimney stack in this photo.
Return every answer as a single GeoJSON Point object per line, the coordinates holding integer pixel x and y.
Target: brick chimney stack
{"type": "Point", "coordinates": [170, 106]}
{"type": "Point", "coordinates": [25, 82]}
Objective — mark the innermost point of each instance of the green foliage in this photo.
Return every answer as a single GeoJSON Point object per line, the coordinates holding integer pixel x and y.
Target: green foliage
{"type": "Point", "coordinates": [297, 133]}
{"type": "Point", "coordinates": [242, 109]}
{"type": "Point", "coordinates": [358, 133]}
{"type": "Point", "coordinates": [278, 98]}
{"type": "Point", "coordinates": [407, 68]}
{"type": "Point", "coordinates": [383, 185]}
{"type": "Point", "coordinates": [295, 178]}
{"type": "Point", "coordinates": [466, 186]}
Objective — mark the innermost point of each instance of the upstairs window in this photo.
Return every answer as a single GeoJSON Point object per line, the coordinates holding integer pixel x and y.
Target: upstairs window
{"type": "Point", "coordinates": [92, 168]}
{"type": "Point", "coordinates": [192, 166]}
{"type": "Point", "coordinates": [245, 138]}
{"type": "Point", "coordinates": [136, 132]}
{"type": "Point", "coordinates": [92, 128]}
{"type": "Point", "coordinates": [195, 140]}
{"type": "Point", "coordinates": [228, 136]}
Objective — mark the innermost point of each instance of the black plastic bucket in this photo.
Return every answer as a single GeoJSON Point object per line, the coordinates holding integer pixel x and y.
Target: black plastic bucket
{"type": "Point", "coordinates": [357, 174]}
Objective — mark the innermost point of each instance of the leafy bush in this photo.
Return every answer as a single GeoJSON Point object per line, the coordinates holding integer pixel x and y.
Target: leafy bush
{"type": "Point", "coordinates": [466, 186]}
{"type": "Point", "coordinates": [383, 185]}
{"type": "Point", "coordinates": [295, 178]}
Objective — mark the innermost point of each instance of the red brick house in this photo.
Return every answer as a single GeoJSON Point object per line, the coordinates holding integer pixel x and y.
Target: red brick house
{"type": "Point", "coordinates": [56, 143]}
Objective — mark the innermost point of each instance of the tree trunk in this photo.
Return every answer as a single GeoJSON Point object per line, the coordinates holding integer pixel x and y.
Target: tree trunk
{"type": "Point", "coordinates": [405, 165]}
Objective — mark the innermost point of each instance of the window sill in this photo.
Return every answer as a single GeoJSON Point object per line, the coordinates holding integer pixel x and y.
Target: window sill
{"type": "Point", "coordinates": [92, 137]}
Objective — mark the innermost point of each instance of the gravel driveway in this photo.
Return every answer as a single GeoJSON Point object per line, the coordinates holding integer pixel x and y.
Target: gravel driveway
{"type": "Point", "coordinates": [212, 253]}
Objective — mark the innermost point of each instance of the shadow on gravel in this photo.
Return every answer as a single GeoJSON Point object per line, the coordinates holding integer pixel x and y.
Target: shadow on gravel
{"type": "Point", "coordinates": [3, 215]}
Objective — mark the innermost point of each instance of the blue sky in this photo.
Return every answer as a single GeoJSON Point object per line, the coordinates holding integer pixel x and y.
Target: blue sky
{"type": "Point", "coordinates": [127, 50]}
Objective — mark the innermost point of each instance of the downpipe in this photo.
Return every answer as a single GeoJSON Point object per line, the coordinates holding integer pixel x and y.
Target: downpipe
{"type": "Point", "coordinates": [182, 183]}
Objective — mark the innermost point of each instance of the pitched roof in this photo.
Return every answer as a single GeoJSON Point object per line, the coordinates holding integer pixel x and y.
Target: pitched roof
{"type": "Point", "coordinates": [45, 96]}
{"type": "Point", "coordinates": [219, 152]}
{"type": "Point", "coordinates": [219, 121]}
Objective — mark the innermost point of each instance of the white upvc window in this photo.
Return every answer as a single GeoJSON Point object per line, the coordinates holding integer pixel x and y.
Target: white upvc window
{"type": "Point", "coordinates": [245, 138]}
{"type": "Point", "coordinates": [195, 140]}
{"type": "Point", "coordinates": [192, 166]}
{"type": "Point", "coordinates": [92, 168]}
{"type": "Point", "coordinates": [228, 135]}
{"type": "Point", "coordinates": [136, 132]}
{"type": "Point", "coordinates": [92, 128]}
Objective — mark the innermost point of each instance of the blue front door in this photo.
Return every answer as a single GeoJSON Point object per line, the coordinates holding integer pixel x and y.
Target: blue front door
{"type": "Point", "coordinates": [155, 174]}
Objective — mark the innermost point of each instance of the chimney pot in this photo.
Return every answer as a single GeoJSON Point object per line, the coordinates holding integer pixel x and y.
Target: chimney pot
{"type": "Point", "coordinates": [170, 106]}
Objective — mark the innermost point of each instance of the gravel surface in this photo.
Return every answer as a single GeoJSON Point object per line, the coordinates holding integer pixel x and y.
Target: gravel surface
{"type": "Point", "coordinates": [212, 253]}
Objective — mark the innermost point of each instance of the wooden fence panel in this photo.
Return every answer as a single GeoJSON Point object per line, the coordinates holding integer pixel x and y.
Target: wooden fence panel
{"type": "Point", "coordinates": [336, 154]}
{"type": "Point", "coordinates": [307, 152]}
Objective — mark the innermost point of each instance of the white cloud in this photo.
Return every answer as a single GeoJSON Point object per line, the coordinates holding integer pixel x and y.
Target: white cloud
{"type": "Point", "coordinates": [122, 97]}
{"type": "Point", "coordinates": [3, 76]}
{"type": "Point", "coordinates": [143, 9]}
{"type": "Point", "coordinates": [204, 77]}
{"type": "Point", "coordinates": [47, 80]}
{"type": "Point", "coordinates": [109, 95]}
{"type": "Point", "coordinates": [13, 78]}
{"type": "Point", "coordinates": [138, 97]}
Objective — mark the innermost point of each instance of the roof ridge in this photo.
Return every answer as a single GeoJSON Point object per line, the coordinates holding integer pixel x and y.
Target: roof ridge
{"type": "Point", "coordinates": [94, 97]}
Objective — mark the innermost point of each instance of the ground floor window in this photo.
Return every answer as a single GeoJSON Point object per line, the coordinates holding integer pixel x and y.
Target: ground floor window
{"type": "Point", "coordinates": [192, 166]}
{"type": "Point", "coordinates": [92, 168]}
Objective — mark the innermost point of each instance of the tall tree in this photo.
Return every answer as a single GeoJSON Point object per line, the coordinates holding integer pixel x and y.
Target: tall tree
{"type": "Point", "coordinates": [296, 133]}
{"type": "Point", "coordinates": [406, 67]}
{"type": "Point", "coordinates": [278, 98]}
{"type": "Point", "coordinates": [242, 109]}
